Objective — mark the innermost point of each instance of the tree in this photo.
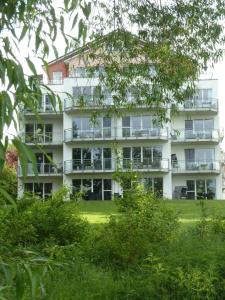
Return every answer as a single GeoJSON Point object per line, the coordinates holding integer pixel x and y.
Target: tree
{"type": "Point", "coordinates": [174, 42]}
{"type": "Point", "coordinates": [39, 23]}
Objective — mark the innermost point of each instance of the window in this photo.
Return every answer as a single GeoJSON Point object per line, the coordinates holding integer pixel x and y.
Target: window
{"type": "Point", "coordinates": [57, 77]}
{"type": "Point", "coordinates": [94, 189]}
{"type": "Point", "coordinates": [139, 126]}
{"type": "Point", "coordinates": [204, 94]}
{"type": "Point", "coordinates": [201, 189]}
{"type": "Point", "coordinates": [39, 133]}
{"type": "Point", "coordinates": [47, 105]}
{"type": "Point", "coordinates": [28, 187]}
{"type": "Point", "coordinates": [199, 128]}
{"type": "Point", "coordinates": [202, 155]}
{"type": "Point", "coordinates": [92, 158]}
{"type": "Point", "coordinates": [43, 190]}
{"type": "Point", "coordinates": [84, 128]}
{"type": "Point", "coordinates": [142, 156]}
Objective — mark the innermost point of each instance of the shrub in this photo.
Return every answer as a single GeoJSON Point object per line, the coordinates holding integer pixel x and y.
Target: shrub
{"type": "Point", "coordinates": [37, 222]}
{"type": "Point", "coordinates": [126, 240]}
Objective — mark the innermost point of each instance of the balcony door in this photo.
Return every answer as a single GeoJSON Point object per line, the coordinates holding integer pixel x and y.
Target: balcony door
{"type": "Point", "coordinates": [194, 158]}
{"type": "Point", "coordinates": [94, 189]}
{"type": "Point", "coordinates": [44, 162]}
{"type": "Point", "coordinates": [39, 133]}
{"type": "Point", "coordinates": [201, 189]}
{"type": "Point", "coordinates": [92, 158]}
{"type": "Point", "coordinates": [201, 128]}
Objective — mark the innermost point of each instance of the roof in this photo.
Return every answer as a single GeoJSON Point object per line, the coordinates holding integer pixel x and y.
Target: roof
{"type": "Point", "coordinates": [77, 51]}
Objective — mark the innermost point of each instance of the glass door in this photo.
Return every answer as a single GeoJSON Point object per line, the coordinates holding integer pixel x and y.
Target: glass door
{"type": "Point", "coordinates": [97, 189]}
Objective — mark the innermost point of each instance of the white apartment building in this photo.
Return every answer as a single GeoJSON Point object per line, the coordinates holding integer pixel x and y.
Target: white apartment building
{"type": "Point", "coordinates": [181, 159]}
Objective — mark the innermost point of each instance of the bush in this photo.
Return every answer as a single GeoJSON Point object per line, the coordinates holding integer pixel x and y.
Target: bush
{"type": "Point", "coordinates": [127, 240]}
{"type": "Point", "coordinates": [38, 222]}
{"type": "Point", "coordinates": [8, 183]}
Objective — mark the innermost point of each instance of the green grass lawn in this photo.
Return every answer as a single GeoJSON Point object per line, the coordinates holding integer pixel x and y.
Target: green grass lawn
{"type": "Point", "coordinates": [189, 211]}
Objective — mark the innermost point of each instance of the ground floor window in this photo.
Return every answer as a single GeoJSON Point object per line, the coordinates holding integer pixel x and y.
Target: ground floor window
{"type": "Point", "coordinates": [154, 185]}
{"type": "Point", "coordinates": [43, 190]}
{"type": "Point", "coordinates": [201, 189]}
{"type": "Point", "coordinates": [94, 189]}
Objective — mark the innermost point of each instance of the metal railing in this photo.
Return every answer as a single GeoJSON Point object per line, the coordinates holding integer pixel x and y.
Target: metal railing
{"type": "Point", "coordinates": [54, 81]}
{"type": "Point", "coordinates": [196, 166]}
{"type": "Point", "coordinates": [146, 133]}
{"type": "Point", "coordinates": [43, 169]}
{"type": "Point", "coordinates": [86, 102]}
{"type": "Point", "coordinates": [146, 164]}
{"type": "Point", "coordinates": [42, 138]}
{"type": "Point", "coordinates": [77, 165]}
{"type": "Point", "coordinates": [210, 103]}
{"type": "Point", "coordinates": [102, 133]}
{"type": "Point", "coordinates": [42, 109]}
{"type": "Point", "coordinates": [114, 133]}
{"type": "Point", "coordinates": [189, 134]}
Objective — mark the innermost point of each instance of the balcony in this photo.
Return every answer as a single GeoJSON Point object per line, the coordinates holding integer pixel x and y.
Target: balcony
{"type": "Point", "coordinates": [90, 134]}
{"type": "Point", "coordinates": [146, 165]}
{"type": "Point", "coordinates": [196, 167]}
{"type": "Point", "coordinates": [147, 133]}
{"type": "Point", "coordinates": [115, 133]}
{"type": "Point", "coordinates": [43, 169]}
{"type": "Point", "coordinates": [47, 138]}
{"type": "Point", "coordinates": [44, 109]}
{"type": "Point", "coordinates": [209, 104]}
{"type": "Point", "coordinates": [55, 81]}
{"type": "Point", "coordinates": [88, 166]}
{"type": "Point", "coordinates": [186, 135]}
{"type": "Point", "coordinates": [90, 103]}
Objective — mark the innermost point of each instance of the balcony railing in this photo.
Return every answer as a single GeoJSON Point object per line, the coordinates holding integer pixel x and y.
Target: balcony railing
{"type": "Point", "coordinates": [43, 138]}
{"type": "Point", "coordinates": [48, 109]}
{"type": "Point", "coordinates": [102, 133]}
{"type": "Point", "coordinates": [114, 133]}
{"type": "Point", "coordinates": [55, 81]}
{"type": "Point", "coordinates": [77, 165]}
{"type": "Point", "coordinates": [51, 169]}
{"type": "Point", "coordinates": [86, 102]}
{"type": "Point", "coordinates": [146, 164]}
{"type": "Point", "coordinates": [195, 104]}
{"type": "Point", "coordinates": [186, 134]}
{"type": "Point", "coordinates": [128, 132]}
{"type": "Point", "coordinates": [196, 166]}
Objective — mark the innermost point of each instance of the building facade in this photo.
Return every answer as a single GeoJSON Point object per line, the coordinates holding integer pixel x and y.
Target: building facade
{"type": "Point", "coordinates": [178, 160]}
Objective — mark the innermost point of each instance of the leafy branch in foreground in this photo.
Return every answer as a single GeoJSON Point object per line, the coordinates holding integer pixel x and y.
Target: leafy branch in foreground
{"type": "Point", "coordinates": [158, 66]}
{"type": "Point", "coordinates": [38, 23]}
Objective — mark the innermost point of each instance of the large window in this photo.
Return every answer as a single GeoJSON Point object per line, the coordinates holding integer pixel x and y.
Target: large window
{"type": "Point", "coordinates": [43, 190]}
{"type": "Point", "coordinates": [91, 95]}
{"type": "Point", "coordinates": [142, 156]}
{"type": "Point", "coordinates": [199, 128]}
{"type": "Point", "coordinates": [84, 128]}
{"type": "Point", "coordinates": [199, 158]}
{"type": "Point", "coordinates": [40, 133]}
{"type": "Point", "coordinates": [94, 189]}
{"type": "Point", "coordinates": [139, 126]}
{"type": "Point", "coordinates": [201, 155]}
{"type": "Point", "coordinates": [154, 185]}
{"type": "Point", "coordinates": [92, 158]}
{"type": "Point", "coordinates": [201, 189]}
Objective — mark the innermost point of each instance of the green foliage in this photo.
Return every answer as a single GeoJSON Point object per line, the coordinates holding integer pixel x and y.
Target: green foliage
{"type": "Point", "coordinates": [8, 183]}
{"type": "Point", "coordinates": [38, 24]}
{"type": "Point", "coordinates": [126, 240]}
{"type": "Point", "coordinates": [36, 222]}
